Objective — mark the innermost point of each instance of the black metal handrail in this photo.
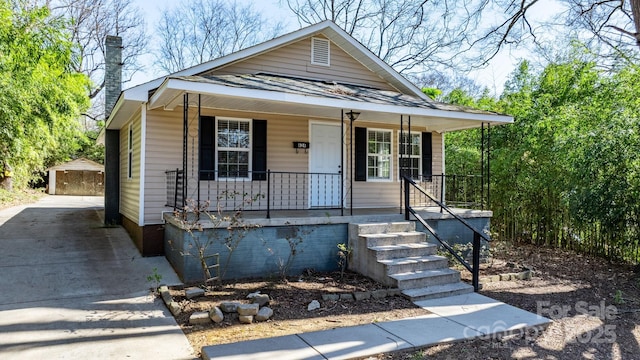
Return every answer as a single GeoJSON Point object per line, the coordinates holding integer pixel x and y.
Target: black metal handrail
{"type": "Point", "coordinates": [461, 191]}
{"type": "Point", "coordinates": [478, 235]}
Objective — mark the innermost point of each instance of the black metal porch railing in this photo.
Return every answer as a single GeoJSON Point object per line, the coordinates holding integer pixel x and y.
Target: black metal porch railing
{"type": "Point", "coordinates": [175, 185]}
{"type": "Point", "coordinates": [412, 187]}
{"type": "Point", "coordinates": [458, 191]}
{"type": "Point", "coordinates": [261, 190]}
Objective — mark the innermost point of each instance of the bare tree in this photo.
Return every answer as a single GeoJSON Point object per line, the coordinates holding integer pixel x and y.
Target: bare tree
{"type": "Point", "coordinates": [612, 23]}
{"type": "Point", "coordinates": [407, 34]}
{"type": "Point", "coordinates": [198, 31]}
{"type": "Point", "coordinates": [415, 36]}
{"type": "Point", "coordinates": [89, 22]}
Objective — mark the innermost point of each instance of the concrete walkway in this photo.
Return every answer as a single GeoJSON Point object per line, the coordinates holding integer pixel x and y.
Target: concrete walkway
{"type": "Point", "coordinates": [73, 289]}
{"type": "Point", "coordinates": [453, 319]}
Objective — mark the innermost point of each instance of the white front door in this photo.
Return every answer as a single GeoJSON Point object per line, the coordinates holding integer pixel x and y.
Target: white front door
{"type": "Point", "coordinates": [324, 165]}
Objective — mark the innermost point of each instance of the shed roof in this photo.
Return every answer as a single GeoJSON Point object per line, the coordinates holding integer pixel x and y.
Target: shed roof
{"type": "Point", "coordinates": [79, 164]}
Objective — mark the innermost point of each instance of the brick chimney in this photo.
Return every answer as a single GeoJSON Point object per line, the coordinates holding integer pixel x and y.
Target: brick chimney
{"type": "Point", "coordinates": [113, 72]}
{"type": "Point", "coordinates": [113, 87]}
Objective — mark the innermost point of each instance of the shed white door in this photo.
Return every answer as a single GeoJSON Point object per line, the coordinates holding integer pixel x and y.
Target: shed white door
{"type": "Point", "coordinates": [324, 166]}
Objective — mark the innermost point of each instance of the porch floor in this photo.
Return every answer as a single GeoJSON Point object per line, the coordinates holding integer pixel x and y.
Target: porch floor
{"type": "Point", "coordinates": [360, 215]}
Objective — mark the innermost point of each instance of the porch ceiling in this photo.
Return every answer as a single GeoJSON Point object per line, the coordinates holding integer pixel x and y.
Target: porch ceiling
{"type": "Point", "coordinates": [271, 94]}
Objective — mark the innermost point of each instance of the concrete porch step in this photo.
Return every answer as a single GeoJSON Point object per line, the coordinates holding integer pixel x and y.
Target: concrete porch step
{"type": "Point", "coordinates": [415, 263]}
{"type": "Point", "coordinates": [437, 291]}
{"type": "Point", "coordinates": [384, 228]}
{"type": "Point", "coordinates": [387, 252]}
{"type": "Point", "coordinates": [395, 238]}
{"type": "Point", "coordinates": [419, 279]}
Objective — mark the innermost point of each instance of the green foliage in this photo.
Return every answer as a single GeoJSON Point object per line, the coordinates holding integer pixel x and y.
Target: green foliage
{"type": "Point", "coordinates": [567, 172]}
{"type": "Point", "coordinates": [433, 93]}
{"type": "Point", "coordinates": [17, 197]}
{"type": "Point", "coordinates": [344, 256]}
{"type": "Point", "coordinates": [154, 278]}
{"type": "Point", "coordinates": [41, 98]}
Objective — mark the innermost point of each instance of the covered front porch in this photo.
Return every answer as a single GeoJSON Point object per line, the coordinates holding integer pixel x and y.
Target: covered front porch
{"type": "Point", "coordinates": [304, 161]}
{"type": "Point", "coordinates": [268, 143]}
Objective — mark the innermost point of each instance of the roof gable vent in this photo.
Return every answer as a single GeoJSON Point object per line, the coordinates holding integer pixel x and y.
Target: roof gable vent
{"type": "Point", "coordinates": [320, 51]}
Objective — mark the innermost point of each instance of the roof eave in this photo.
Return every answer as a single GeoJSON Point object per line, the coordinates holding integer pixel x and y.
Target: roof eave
{"type": "Point", "coordinates": [172, 88]}
{"type": "Point", "coordinates": [127, 105]}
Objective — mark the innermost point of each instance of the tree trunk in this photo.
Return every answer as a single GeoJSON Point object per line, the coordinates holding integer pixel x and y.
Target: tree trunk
{"type": "Point", "coordinates": [6, 177]}
{"type": "Point", "coordinates": [635, 11]}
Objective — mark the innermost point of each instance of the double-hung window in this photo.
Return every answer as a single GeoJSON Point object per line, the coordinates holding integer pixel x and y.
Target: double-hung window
{"type": "Point", "coordinates": [410, 154]}
{"type": "Point", "coordinates": [379, 154]}
{"type": "Point", "coordinates": [233, 148]}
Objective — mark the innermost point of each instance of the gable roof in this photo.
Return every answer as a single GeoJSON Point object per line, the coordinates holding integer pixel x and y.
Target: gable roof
{"type": "Point", "coordinates": [130, 99]}
{"type": "Point", "coordinates": [79, 164]}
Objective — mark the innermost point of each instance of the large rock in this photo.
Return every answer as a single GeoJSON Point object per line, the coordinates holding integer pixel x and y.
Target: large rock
{"type": "Point", "coordinates": [216, 315]}
{"type": "Point", "coordinates": [191, 293]}
{"type": "Point", "coordinates": [362, 295]}
{"type": "Point", "coordinates": [379, 294]}
{"type": "Point", "coordinates": [248, 309]}
{"type": "Point", "coordinates": [314, 305]}
{"type": "Point", "coordinates": [229, 307]}
{"type": "Point", "coordinates": [264, 314]}
{"type": "Point", "coordinates": [261, 299]}
{"type": "Point", "coordinates": [175, 308]}
{"type": "Point", "coordinates": [166, 296]}
{"type": "Point", "coordinates": [245, 319]}
{"type": "Point", "coordinates": [346, 296]}
{"type": "Point", "coordinates": [330, 297]}
{"type": "Point", "coordinates": [199, 318]}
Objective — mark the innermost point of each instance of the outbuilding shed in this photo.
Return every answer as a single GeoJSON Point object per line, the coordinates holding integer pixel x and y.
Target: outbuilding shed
{"type": "Point", "coordinates": [77, 177]}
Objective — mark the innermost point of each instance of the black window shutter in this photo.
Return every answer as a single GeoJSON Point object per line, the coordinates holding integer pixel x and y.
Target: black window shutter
{"type": "Point", "coordinates": [259, 150]}
{"type": "Point", "coordinates": [427, 156]}
{"type": "Point", "coordinates": [361, 154]}
{"type": "Point", "coordinates": [207, 148]}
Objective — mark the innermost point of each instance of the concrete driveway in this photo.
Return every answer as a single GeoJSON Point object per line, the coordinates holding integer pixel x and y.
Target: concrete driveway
{"type": "Point", "coordinates": [71, 288]}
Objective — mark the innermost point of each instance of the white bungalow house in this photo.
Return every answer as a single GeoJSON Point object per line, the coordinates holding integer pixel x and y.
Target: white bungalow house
{"type": "Point", "coordinates": [309, 120]}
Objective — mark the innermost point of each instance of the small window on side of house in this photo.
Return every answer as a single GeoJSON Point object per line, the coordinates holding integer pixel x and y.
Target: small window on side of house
{"type": "Point", "coordinates": [320, 51]}
{"type": "Point", "coordinates": [130, 153]}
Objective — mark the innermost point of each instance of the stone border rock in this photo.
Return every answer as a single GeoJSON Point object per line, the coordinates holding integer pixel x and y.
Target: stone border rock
{"type": "Point", "coordinates": [173, 306]}
{"type": "Point", "coordinates": [247, 312]}
{"type": "Point", "coordinates": [362, 295]}
{"type": "Point", "coordinates": [523, 275]}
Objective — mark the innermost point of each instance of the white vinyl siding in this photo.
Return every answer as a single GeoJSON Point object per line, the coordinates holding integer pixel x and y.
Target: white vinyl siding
{"type": "Point", "coordinates": [130, 169]}
{"type": "Point", "coordinates": [295, 60]}
{"type": "Point", "coordinates": [386, 194]}
{"type": "Point", "coordinates": [164, 152]}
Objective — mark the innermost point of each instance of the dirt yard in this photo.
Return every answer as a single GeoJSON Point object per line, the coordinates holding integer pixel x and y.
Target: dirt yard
{"type": "Point", "coordinates": [289, 301]}
{"type": "Point", "coordinates": [594, 305]}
